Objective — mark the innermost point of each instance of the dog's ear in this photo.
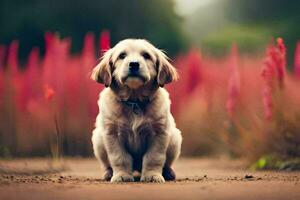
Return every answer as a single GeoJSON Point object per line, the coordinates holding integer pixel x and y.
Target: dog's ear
{"type": "Point", "coordinates": [166, 72]}
{"type": "Point", "coordinates": [102, 73]}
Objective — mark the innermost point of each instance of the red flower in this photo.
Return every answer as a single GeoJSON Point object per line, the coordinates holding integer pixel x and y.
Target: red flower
{"type": "Point", "coordinates": [281, 60]}
{"type": "Point", "coordinates": [267, 101]}
{"type": "Point", "coordinates": [88, 52]}
{"type": "Point", "coordinates": [297, 61]}
{"type": "Point", "coordinates": [273, 73]}
{"type": "Point", "coordinates": [234, 81]}
{"type": "Point", "coordinates": [104, 41]}
{"type": "Point", "coordinates": [193, 71]}
{"type": "Point", "coordinates": [48, 92]}
{"type": "Point", "coordinates": [2, 56]}
{"type": "Point", "coordinates": [12, 57]}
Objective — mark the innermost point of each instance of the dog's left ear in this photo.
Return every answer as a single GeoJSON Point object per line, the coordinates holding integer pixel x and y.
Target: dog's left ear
{"type": "Point", "coordinates": [102, 72]}
{"type": "Point", "coordinates": [166, 72]}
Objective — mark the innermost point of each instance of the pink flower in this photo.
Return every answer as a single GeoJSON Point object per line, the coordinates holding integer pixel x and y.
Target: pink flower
{"type": "Point", "coordinates": [281, 65]}
{"type": "Point", "coordinates": [88, 52]}
{"type": "Point", "coordinates": [193, 71]}
{"type": "Point", "coordinates": [104, 41]}
{"type": "Point", "coordinates": [48, 92]}
{"type": "Point", "coordinates": [234, 81]}
{"type": "Point", "coordinates": [267, 102]}
{"type": "Point", "coordinates": [12, 57]}
{"type": "Point", "coordinates": [273, 73]}
{"type": "Point", "coordinates": [29, 86]}
{"type": "Point", "coordinates": [2, 56]}
{"type": "Point", "coordinates": [297, 60]}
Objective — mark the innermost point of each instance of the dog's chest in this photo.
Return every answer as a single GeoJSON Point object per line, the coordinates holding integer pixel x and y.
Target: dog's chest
{"type": "Point", "coordinates": [136, 134]}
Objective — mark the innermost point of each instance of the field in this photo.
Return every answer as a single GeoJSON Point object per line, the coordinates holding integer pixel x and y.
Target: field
{"type": "Point", "coordinates": [236, 102]}
{"type": "Point", "coordinates": [78, 178]}
{"type": "Point", "coordinates": [242, 110]}
{"type": "Point", "coordinates": [237, 105]}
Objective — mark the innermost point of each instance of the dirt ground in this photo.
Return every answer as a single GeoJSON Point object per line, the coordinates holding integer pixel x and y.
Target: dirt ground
{"type": "Point", "coordinates": [77, 178]}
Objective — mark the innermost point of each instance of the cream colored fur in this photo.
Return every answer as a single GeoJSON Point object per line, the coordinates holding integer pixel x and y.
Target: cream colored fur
{"type": "Point", "coordinates": [122, 139]}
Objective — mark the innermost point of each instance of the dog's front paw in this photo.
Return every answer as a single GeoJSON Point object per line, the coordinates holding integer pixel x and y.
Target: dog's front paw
{"type": "Point", "coordinates": [122, 177]}
{"type": "Point", "coordinates": [153, 177]}
{"type": "Point", "coordinates": [168, 173]}
{"type": "Point", "coordinates": [108, 174]}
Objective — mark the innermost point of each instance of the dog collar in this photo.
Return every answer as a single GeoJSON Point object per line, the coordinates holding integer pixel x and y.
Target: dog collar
{"type": "Point", "coordinates": [137, 106]}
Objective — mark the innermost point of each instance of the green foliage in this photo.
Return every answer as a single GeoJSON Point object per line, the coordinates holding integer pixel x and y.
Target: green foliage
{"type": "Point", "coordinates": [248, 38]}
{"type": "Point", "coordinates": [255, 22]}
{"type": "Point", "coordinates": [28, 21]}
{"type": "Point", "coordinates": [4, 152]}
{"type": "Point", "coordinates": [262, 10]}
{"type": "Point", "coordinates": [275, 162]}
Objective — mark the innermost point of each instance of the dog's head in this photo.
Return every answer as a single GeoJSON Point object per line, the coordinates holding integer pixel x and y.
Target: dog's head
{"type": "Point", "coordinates": [134, 63]}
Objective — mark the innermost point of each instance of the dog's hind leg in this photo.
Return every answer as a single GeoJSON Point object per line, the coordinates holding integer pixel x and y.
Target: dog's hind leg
{"type": "Point", "coordinates": [173, 152]}
{"type": "Point", "coordinates": [101, 154]}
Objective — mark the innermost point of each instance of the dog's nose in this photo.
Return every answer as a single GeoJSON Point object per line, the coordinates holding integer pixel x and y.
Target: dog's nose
{"type": "Point", "coordinates": [134, 66]}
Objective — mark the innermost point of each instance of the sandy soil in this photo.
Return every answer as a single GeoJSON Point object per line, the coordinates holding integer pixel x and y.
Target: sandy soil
{"type": "Point", "coordinates": [196, 179]}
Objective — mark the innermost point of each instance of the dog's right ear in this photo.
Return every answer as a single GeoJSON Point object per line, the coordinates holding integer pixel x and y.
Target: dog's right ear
{"type": "Point", "coordinates": [102, 72]}
{"type": "Point", "coordinates": [166, 72]}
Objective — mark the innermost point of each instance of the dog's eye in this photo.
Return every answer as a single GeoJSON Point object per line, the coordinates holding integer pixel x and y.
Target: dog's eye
{"type": "Point", "coordinates": [146, 56]}
{"type": "Point", "coordinates": [122, 55]}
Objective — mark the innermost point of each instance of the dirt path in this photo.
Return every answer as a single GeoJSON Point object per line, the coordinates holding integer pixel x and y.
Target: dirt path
{"type": "Point", "coordinates": [197, 179]}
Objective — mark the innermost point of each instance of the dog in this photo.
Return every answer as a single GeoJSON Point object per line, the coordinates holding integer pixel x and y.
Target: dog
{"type": "Point", "coordinates": [135, 130]}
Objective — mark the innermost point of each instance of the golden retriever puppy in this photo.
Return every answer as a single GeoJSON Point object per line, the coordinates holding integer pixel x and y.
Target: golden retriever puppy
{"type": "Point", "coordinates": [135, 130]}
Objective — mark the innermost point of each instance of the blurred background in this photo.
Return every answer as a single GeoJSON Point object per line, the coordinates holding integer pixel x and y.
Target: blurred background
{"type": "Point", "coordinates": [239, 62]}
